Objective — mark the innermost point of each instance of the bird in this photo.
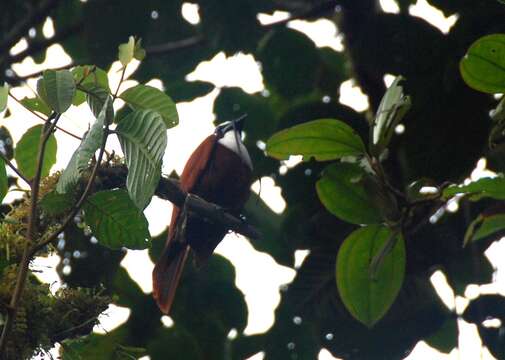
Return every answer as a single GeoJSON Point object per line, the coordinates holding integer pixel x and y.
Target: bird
{"type": "Point", "coordinates": [220, 171]}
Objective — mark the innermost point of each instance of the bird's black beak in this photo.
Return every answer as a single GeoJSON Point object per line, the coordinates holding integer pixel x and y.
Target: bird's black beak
{"type": "Point", "coordinates": [236, 125]}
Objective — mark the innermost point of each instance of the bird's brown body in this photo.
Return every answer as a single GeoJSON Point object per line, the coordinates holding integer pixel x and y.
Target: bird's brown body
{"type": "Point", "coordinates": [218, 175]}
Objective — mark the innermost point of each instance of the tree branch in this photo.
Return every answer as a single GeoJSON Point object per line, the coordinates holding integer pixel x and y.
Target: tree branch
{"type": "Point", "coordinates": [312, 12]}
{"type": "Point", "coordinates": [171, 46]}
{"type": "Point", "coordinates": [44, 119]}
{"type": "Point", "coordinates": [17, 79]}
{"type": "Point", "coordinates": [13, 168]}
{"type": "Point", "coordinates": [30, 20]}
{"type": "Point", "coordinates": [169, 189]}
{"type": "Point", "coordinates": [35, 47]}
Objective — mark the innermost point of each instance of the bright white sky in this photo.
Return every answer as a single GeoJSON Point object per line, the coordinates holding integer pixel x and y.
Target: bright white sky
{"type": "Point", "coordinates": [254, 270]}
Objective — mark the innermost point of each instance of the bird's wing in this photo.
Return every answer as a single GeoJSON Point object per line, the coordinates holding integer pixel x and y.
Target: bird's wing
{"type": "Point", "coordinates": [168, 268]}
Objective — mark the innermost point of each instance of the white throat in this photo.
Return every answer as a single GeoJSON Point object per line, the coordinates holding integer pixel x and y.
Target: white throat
{"type": "Point", "coordinates": [230, 141]}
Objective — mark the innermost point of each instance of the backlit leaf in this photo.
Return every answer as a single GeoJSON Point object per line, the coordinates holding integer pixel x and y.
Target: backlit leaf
{"type": "Point", "coordinates": [324, 139]}
{"type": "Point", "coordinates": [143, 97]}
{"type": "Point", "coordinates": [27, 149]}
{"type": "Point", "coordinates": [342, 192]}
{"type": "Point", "coordinates": [483, 66]}
{"type": "Point", "coordinates": [493, 187]}
{"type": "Point", "coordinates": [126, 51]}
{"type": "Point", "coordinates": [393, 107]}
{"type": "Point", "coordinates": [368, 299]}
{"type": "Point", "coordinates": [4, 95]}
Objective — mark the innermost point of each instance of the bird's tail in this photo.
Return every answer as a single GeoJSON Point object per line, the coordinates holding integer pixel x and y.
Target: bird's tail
{"type": "Point", "coordinates": [167, 273]}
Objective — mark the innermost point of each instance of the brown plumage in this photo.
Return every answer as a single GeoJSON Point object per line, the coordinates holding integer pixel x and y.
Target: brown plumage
{"type": "Point", "coordinates": [218, 175]}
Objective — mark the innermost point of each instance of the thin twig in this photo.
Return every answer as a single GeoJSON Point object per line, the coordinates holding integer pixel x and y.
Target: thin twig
{"type": "Point", "coordinates": [19, 79]}
{"type": "Point", "coordinates": [15, 169]}
{"type": "Point", "coordinates": [313, 12]}
{"type": "Point", "coordinates": [42, 118]}
{"type": "Point", "coordinates": [171, 46]}
{"type": "Point", "coordinates": [114, 97]}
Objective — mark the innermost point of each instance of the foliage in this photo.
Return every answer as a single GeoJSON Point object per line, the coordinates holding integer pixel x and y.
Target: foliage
{"type": "Point", "coordinates": [360, 177]}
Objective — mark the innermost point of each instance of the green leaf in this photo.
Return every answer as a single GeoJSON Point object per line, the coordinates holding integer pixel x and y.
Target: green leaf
{"type": "Point", "coordinates": [483, 66]}
{"type": "Point", "coordinates": [289, 75]}
{"type": "Point", "coordinates": [143, 139]}
{"type": "Point", "coordinates": [468, 268]}
{"type": "Point", "coordinates": [54, 203]}
{"type": "Point", "coordinates": [393, 107]}
{"type": "Point", "coordinates": [88, 77]}
{"type": "Point", "coordinates": [181, 91]}
{"type": "Point", "coordinates": [27, 149]}
{"type": "Point", "coordinates": [446, 338]}
{"type": "Point", "coordinates": [91, 75]}
{"type": "Point", "coordinates": [4, 185]}
{"type": "Point", "coordinates": [145, 97]}
{"type": "Point", "coordinates": [4, 95]}
{"type": "Point", "coordinates": [341, 191]}
{"type": "Point", "coordinates": [96, 98]}
{"type": "Point", "coordinates": [116, 221]}
{"type": "Point", "coordinates": [36, 104]}
{"type": "Point", "coordinates": [57, 89]}
{"type": "Point", "coordinates": [324, 139]}
{"type": "Point", "coordinates": [81, 157]}
{"type": "Point", "coordinates": [139, 52]}
{"type": "Point", "coordinates": [485, 187]}
{"type": "Point", "coordinates": [126, 51]}
{"type": "Point", "coordinates": [484, 226]}
{"type": "Point", "coordinates": [365, 298]}
{"type": "Point", "coordinates": [102, 347]}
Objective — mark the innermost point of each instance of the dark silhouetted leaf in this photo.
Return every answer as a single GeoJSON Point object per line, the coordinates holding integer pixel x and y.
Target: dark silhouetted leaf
{"type": "Point", "coordinates": [54, 203]}
{"type": "Point", "coordinates": [446, 338]}
{"type": "Point", "coordinates": [484, 226]}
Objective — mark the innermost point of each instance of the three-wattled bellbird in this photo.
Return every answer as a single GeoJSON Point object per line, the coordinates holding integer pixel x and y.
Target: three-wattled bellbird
{"type": "Point", "coordinates": [219, 171]}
